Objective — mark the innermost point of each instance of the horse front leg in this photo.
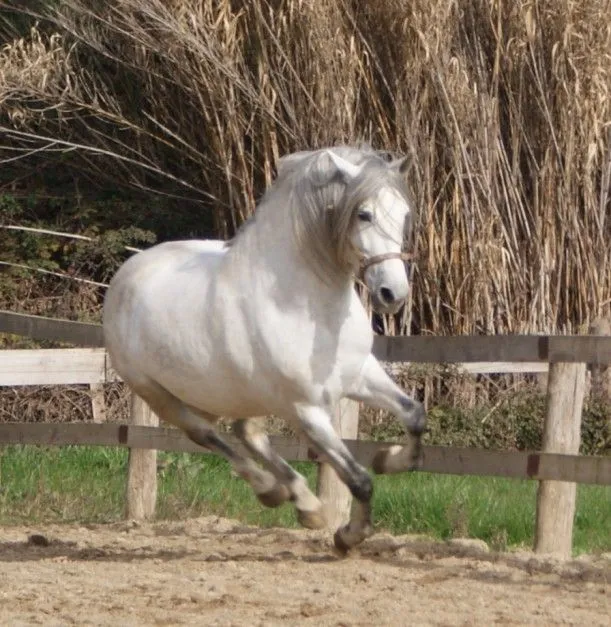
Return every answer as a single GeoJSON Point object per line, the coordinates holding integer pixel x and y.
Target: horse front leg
{"type": "Point", "coordinates": [316, 424]}
{"type": "Point", "coordinates": [376, 389]}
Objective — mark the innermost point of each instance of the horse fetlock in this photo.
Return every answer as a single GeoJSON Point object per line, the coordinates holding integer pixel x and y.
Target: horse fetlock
{"type": "Point", "coordinates": [379, 462]}
{"type": "Point", "coordinates": [415, 419]}
{"type": "Point", "coordinates": [399, 458]}
{"type": "Point", "coordinates": [416, 454]}
{"type": "Point", "coordinates": [347, 537]}
{"type": "Point", "coordinates": [276, 496]}
{"type": "Point", "coordinates": [362, 487]}
{"type": "Point", "coordinates": [311, 519]}
{"type": "Point", "coordinates": [309, 508]}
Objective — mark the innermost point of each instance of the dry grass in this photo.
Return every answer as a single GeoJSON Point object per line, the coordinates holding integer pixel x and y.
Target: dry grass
{"type": "Point", "coordinates": [503, 106]}
{"type": "Point", "coordinates": [66, 403]}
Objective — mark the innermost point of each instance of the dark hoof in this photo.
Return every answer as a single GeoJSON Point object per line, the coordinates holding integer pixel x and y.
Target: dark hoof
{"type": "Point", "coordinates": [311, 520]}
{"type": "Point", "coordinates": [341, 545]}
{"type": "Point", "coordinates": [417, 456]}
{"type": "Point", "coordinates": [276, 496]}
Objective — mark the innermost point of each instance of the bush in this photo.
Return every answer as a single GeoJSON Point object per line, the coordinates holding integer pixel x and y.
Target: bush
{"type": "Point", "coordinates": [514, 424]}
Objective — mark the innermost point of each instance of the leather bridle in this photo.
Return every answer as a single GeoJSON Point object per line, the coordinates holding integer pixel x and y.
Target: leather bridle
{"type": "Point", "coordinates": [367, 262]}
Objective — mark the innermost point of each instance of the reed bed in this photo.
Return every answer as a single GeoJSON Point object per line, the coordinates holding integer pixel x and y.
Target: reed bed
{"type": "Point", "coordinates": [503, 106]}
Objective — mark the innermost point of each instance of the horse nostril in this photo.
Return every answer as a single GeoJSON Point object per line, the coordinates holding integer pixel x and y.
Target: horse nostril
{"type": "Point", "coordinates": [387, 295]}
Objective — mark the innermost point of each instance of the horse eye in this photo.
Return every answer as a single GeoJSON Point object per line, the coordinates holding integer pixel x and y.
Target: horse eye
{"type": "Point", "coordinates": [365, 216]}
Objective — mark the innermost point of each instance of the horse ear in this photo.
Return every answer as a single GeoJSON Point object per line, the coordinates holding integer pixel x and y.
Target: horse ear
{"type": "Point", "coordinates": [402, 165]}
{"type": "Point", "coordinates": [347, 169]}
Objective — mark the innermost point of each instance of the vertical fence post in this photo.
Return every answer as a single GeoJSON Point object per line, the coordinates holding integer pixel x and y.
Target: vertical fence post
{"type": "Point", "coordinates": [98, 405]}
{"type": "Point", "coordinates": [142, 468]}
{"type": "Point", "coordinates": [562, 434]}
{"type": "Point", "coordinates": [332, 491]}
{"type": "Point", "coordinates": [601, 374]}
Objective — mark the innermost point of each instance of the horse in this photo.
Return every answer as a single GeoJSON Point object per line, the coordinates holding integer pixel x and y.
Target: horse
{"type": "Point", "coordinates": [270, 322]}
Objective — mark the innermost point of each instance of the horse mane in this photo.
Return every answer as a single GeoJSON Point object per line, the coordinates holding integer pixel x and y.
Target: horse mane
{"type": "Point", "coordinates": [321, 206]}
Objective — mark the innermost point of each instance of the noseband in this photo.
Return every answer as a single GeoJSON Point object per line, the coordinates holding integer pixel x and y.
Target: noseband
{"type": "Point", "coordinates": [372, 261]}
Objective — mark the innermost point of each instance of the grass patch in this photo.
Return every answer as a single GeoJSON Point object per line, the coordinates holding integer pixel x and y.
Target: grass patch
{"type": "Point", "coordinates": [87, 484]}
{"type": "Point", "coordinates": [497, 510]}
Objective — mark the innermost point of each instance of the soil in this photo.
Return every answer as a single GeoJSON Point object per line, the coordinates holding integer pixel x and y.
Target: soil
{"type": "Point", "coordinates": [214, 571]}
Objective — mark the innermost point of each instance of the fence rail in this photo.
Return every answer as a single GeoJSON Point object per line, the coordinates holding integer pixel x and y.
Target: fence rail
{"type": "Point", "coordinates": [565, 357]}
{"type": "Point", "coordinates": [42, 328]}
{"type": "Point", "coordinates": [71, 366]}
{"type": "Point", "coordinates": [437, 459]}
{"type": "Point", "coordinates": [590, 349]}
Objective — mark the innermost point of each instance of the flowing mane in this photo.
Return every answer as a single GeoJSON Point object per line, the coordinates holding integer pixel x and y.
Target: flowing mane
{"type": "Point", "coordinates": [321, 206]}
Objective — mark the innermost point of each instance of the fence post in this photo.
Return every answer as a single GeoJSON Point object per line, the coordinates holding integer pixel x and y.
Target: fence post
{"type": "Point", "coordinates": [601, 374]}
{"type": "Point", "coordinates": [98, 405]}
{"type": "Point", "coordinates": [332, 491]}
{"type": "Point", "coordinates": [142, 467]}
{"type": "Point", "coordinates": [562, 434]}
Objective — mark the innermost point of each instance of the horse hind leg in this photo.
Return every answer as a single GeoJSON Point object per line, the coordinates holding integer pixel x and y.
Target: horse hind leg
{"type": "Point", "coordinates": [291, 484]}
{"type": "Point", "coordinates": [268, 490]}
{"type": "Point", "coordinates": [196, 425]}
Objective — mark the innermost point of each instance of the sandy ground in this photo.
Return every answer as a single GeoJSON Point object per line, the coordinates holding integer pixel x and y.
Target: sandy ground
{"type": "Point", "coordinates": [212, 571]}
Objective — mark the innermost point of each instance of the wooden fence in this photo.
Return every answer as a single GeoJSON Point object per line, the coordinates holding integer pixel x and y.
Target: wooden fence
{"type": "Point", "coordinates": [557, 467]}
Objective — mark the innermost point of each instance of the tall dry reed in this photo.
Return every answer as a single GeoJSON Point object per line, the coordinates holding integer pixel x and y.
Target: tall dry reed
{"type": "Point", "coordinates": [503, 105]}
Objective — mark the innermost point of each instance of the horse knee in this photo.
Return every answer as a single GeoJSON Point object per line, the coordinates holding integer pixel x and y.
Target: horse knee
{"type": "Point", "coordinates": [208, 439]}
{"type": "Point", "coordinates": [244, 430]}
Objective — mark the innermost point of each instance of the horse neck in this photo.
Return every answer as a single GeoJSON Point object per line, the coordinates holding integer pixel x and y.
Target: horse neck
{"type": "Point", "coordinates": [268, 247]}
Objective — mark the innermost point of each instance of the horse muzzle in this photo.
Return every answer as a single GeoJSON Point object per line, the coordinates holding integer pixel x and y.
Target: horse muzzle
{"type": "Point", "coordinates": [384, 301]}
{"type": "Point", "coordinates": [388, 293]}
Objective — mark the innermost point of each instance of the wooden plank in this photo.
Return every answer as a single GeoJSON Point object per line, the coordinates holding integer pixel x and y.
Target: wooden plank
{"type": "Point", "coordinates": [503, 367]}
{"type": "Point", "coordinates": [588, 349]}
{"type": "Point", "coordinates": [53, 366]}
{"type": "Point", "coordinates": [437, 459]}
{"type": "Point", "coordinates": [92, 366]}
{"type": "Point", "coordinates": [415, 348]}
{"type": "Point", "coordinates": [497, 348]}
{"type": "Point", "coordinates": [481, 367]}
{"type": "Point", "coordinates": [141, 494]}
{"type": "Point", "coordinates": [42, 328]}
{"type": "Point", "coordinates": [510, 464]}
{"type": "Point", "coordinates": [561, 434]}
{"type": "Point", "coordinates": [62, 434]}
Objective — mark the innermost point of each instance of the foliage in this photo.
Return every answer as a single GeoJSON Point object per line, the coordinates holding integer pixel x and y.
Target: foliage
{"type": "Point", "coordinates": [516, 423]}
{"type": "Point", "coordinates": [27, 286]}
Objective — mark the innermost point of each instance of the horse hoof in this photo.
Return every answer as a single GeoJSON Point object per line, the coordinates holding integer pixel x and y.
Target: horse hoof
{"type": "Point", "coordinates": [311, 519]}
{"type": "Point", "coordinates": [398, 459]}
{"type": "Point", "coordinates": [380, 462]}
{"type": "Point", "coordinates": [417, 459]}
{"type": "Point", "coordinates": [276, 496]}
{"type": "Point", "coordinates": [341, 545]}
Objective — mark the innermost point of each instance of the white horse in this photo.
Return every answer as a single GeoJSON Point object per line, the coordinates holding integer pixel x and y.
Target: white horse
{"type": "Point", "coordinates": [270, 323]}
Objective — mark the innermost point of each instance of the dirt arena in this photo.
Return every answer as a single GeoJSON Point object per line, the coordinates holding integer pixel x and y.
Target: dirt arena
{"type": "Point", "coordinates": [212, 571]}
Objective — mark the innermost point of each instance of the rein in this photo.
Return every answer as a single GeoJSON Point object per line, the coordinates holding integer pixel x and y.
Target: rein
{"type": "Point", "coordinates": [372, 261]}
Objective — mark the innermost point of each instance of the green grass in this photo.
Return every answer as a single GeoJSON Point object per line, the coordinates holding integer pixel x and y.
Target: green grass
{"type": "Point", "coordinates": [87, 484]}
